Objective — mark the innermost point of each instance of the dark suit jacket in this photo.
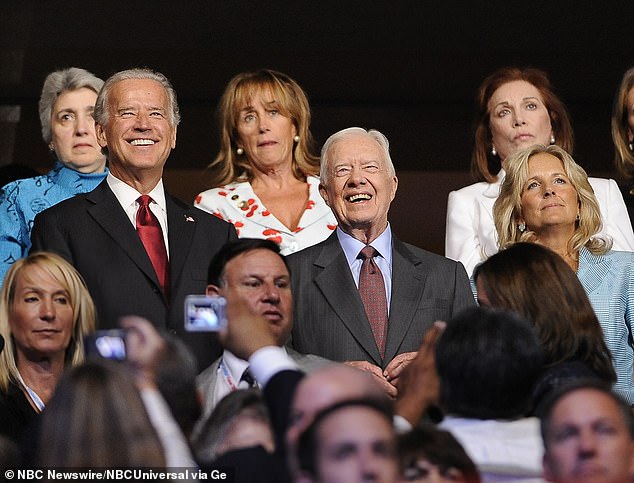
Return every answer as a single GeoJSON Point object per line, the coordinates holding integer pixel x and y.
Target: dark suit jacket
{"type": "Point", "coordinates": [330, 320]}
{"type": "Point", "coordinates": [93, 232]}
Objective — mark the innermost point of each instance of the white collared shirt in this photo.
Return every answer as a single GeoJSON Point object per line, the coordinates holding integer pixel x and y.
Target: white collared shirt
{"type": "Point", "coordinates": [127, 197]}
{"type": "Point", "coordinates": [268, 362]}
{"type": "Point", "coordinates": [382, 244]}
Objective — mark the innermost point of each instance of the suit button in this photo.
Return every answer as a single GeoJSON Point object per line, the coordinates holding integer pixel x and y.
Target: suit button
{"type": "Point", "coordinates": [172, 331]}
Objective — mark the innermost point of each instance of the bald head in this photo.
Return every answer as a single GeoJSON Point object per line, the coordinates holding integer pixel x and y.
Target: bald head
{"type": "Point", "coordinates": [326, 386]}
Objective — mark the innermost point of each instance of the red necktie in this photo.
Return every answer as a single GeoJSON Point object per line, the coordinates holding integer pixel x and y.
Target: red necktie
{"type": "Point", "coordinates": [151, 235]}
{"type": "Point", "coordinates": [372, 292]}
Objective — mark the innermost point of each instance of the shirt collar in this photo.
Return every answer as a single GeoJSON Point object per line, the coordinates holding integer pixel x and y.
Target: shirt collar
{"type": "Point", "coordinates": [234, 365]}
{"type": "Point", "coordinates": [127, 195]}
{"type": "Point", "coordinates": [351, 246]}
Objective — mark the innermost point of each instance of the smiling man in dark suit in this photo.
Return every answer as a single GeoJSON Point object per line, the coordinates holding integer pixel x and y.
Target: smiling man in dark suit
{"type": "Point", "coordinates": [103, 232]}
{"type": "Point", "coordinates": [372, 309]}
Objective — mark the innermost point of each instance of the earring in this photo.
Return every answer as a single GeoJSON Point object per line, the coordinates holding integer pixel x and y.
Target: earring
{"type": "Point", "coordinates": [493, 151]}
{"type": "Point", "coordinates": [631, 146]}
{"type": "Point", "coordinates": [296, 138]}
{"type": "Point", "coordinates": [552, 138]}
{"type": "Point", "coordinates": [240, 151]}
{"type": "Point", "coordinates": [51, 147]}
{"type": "Point", "coordinates": [521, 227]}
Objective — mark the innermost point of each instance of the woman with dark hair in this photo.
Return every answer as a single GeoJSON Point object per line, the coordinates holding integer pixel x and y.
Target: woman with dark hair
{"type": "Point", "coordinates": [546, 198]}
{"type": "Point", "coordinates": [535, 282]}
{"type": "Point", "coordinates": [517, 107]}
{"type": "Point", "coordinates": [264, 177]}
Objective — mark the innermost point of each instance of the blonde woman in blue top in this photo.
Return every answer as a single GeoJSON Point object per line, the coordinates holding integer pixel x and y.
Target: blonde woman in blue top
{"type": "Point", "coordinates": [66, 104]}
{"type": "Point", "coordinates": [546, 198]}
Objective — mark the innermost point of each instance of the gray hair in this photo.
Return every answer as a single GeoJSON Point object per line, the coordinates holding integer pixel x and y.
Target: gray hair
{"type": "Point", "coordinates": [101, 113]}
{"type": "Point", "coordinates": [56, 83]}
{"type": "Point", "coordinates": [350, 132]}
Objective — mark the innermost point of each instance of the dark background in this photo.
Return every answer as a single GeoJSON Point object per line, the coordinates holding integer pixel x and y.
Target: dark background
{"type": "Point", "coordinates": [407, 68]}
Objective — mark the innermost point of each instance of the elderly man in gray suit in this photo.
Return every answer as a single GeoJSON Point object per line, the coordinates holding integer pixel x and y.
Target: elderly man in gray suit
{"type": "Point", "coordinates": [251, 272]}
{"type": "Point", "coordinates": [362, 296]}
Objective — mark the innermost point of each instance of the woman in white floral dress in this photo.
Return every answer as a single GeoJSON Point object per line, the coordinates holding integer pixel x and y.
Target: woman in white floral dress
{"type": "Point", "coordinates": [265, 175]}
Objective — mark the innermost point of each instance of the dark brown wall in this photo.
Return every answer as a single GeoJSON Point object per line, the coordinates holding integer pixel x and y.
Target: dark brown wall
{"type": "Point", "coordinates": [407, 68]}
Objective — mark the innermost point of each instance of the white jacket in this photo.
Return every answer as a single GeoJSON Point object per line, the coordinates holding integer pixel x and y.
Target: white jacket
{"type": "Point", "coordinates": [470, 232]}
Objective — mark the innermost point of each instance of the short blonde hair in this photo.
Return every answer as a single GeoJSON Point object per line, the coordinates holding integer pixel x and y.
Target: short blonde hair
{"type": "Point", "coordinates": [79, 299]}
{"type": "Point", "coordinates": [507, 208]}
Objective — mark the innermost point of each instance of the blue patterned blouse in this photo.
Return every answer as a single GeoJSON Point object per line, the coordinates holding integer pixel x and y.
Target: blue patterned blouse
{"type": "Point", "coordinates": [21, 200]}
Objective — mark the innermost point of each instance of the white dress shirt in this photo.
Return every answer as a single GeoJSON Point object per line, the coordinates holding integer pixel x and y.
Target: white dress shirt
{"type": "Point", "coordinates": [127, 197]}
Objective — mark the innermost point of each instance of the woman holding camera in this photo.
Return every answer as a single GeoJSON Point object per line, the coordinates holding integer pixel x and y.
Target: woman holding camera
{"type": "Point", "coordinates": [45, 312]}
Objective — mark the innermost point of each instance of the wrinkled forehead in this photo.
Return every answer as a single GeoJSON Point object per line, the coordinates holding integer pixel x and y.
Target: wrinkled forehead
{"type": "Point", "coordinates": [355, 148]}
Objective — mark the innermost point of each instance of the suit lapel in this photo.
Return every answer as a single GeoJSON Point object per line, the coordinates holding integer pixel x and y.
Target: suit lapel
{"type": "Point", "coordinates": [337, 285]}
{"type": "Point", "coordinates": [109, 214]}
{"type": "Point", "coordinates": [407, 290]}
{"type": "Point", "coordinates": [181, 226]}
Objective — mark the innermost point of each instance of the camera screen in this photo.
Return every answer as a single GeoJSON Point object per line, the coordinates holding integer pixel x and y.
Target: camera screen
{"type": "Point", "coordinates": [205, 314]}
{"type": "Point", "coordinates": [108, 344]}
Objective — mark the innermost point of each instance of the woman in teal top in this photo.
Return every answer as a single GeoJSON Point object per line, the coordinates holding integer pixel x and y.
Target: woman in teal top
{"type": "Point", "coordinates": [65, 107]}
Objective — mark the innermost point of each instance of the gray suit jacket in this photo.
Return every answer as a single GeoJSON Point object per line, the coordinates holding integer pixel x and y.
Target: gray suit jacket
{"type": "Point", "coordinates": [330, 320]}
{"type": "Point", "coordinates": [93, 232]}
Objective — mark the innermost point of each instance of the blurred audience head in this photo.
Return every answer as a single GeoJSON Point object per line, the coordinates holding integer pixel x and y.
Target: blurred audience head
{"type": "Point", "coordinates": [239, 420]}
{"type": "Point", "coordinates": [428, 454]}
{"type": "Point", "coordinates": [538, 284]}
{"type": "Point", "coordinates": [320, 389]}
{"type": "Point", "coordinates": [588, 434]}
{"type": "Point", "coordinates": [176, 380]}
{"type": "Point", "coordinates": [488, 361]}
{"type": "Point", "coordinates": [353, 440]}
{"type": "Point", "coordinates": [97, 419]}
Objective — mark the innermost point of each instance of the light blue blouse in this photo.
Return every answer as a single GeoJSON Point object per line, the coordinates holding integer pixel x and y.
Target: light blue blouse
{"type": "Point", "coordinates": [609, 282]}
